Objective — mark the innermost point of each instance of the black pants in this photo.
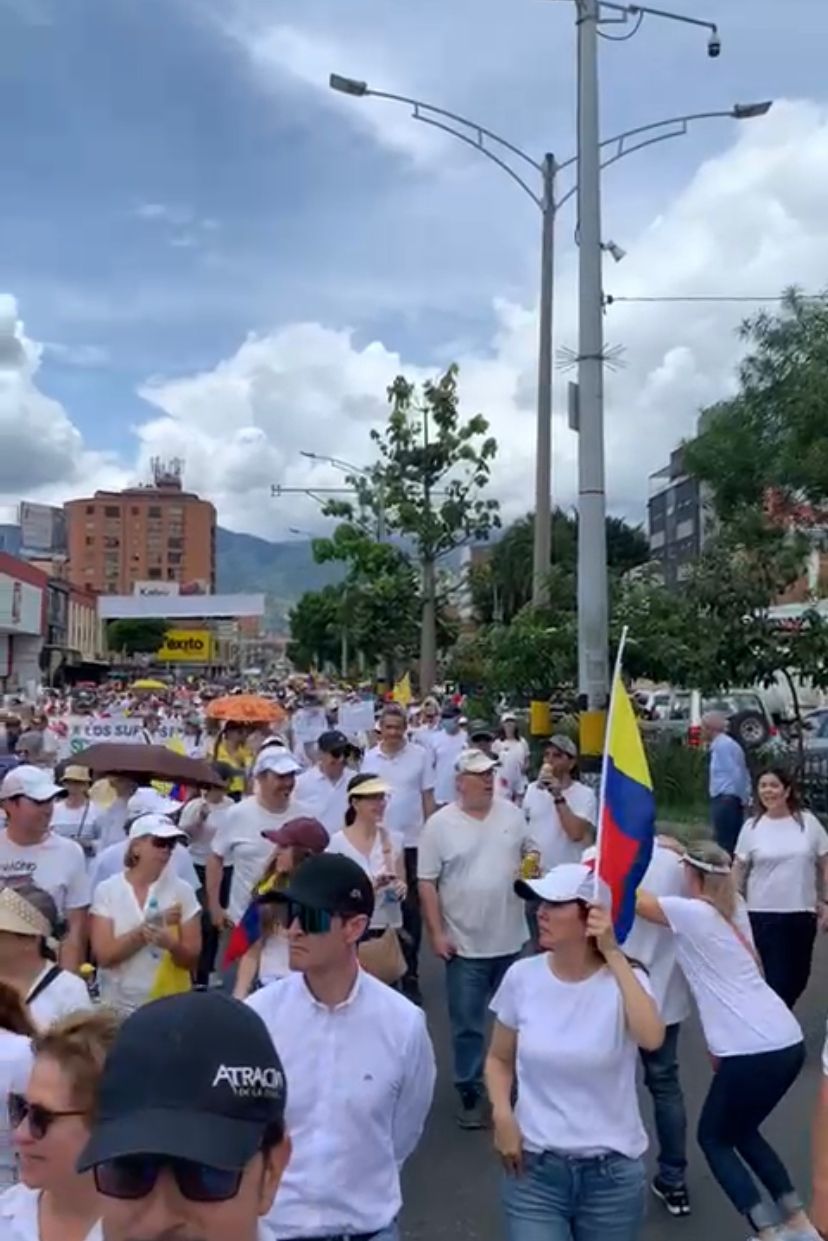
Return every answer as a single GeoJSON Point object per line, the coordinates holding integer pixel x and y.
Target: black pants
{"type": "Point", "coordinates": [727, 814]}
{"type": "Point", "coordinates": [209, 934]}
{"type": "Point", "coordinates": [785, 943]}
{"type": "Point", "coordinates": [744, 1092]}
{"type": "Point", "coordinates": [412, 918]}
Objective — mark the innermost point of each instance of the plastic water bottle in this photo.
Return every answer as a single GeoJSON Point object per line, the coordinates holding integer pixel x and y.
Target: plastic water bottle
{"type": "Point", "coordinates": [153, 917]}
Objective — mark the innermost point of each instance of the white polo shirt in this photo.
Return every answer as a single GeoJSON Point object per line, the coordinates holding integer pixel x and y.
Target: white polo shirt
{"type": "Point", "coordinates": [410, 774]}
{"type": "Point", "coordinates": [360, 1084]}
{"type": "Point", "coordinates": [324, 799]}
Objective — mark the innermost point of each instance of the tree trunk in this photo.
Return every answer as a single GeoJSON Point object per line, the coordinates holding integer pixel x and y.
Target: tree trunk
{"type": "Point", "coordinates": [428, 631]}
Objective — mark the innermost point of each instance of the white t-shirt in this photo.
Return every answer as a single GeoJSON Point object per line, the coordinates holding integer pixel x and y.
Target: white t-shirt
{"type": "Point", "coordinates": [447, 747]}
{"type": "Point", "coordinates": [112, 822]}
{"type": "Point", "coordinates": [200, 846]}
{"type": "Point", "coordinates": [326, 800]}
{"type": "Point", "coordinates": [66, 993]}
{"type": "Point", "coordinates": [474, 863]}
{"type": "Point", "coordinates": [274, 962]}
{"type": "Point", "coordinates": [126, 986]}
{"type": "Point", "coordinates": [240, 844]}
{"type": "Point", "coordinates": [543, 818]}
{"type": "Point", "coordinates": [409, 773]}
{"type": "Point", "coordinates": [782, 856]}
{"type": "Point", "coordinates": [655, 946]}
{"type": "Point", "coordinates": [111, 862]}
{"type": "Point", "coordinates": [15, 1067]}
{"type": "Point", "coordinates": [513, 755]}
{"type": "Point", "coordinates": [387, 908]}
{"type": "Point", "coordinates": [576, 1061]}
{"type": "Point", "coordinates": [20, 1216]}
{"type": "Point", "coordinates": [740, 1014]}
{"type": "Point", "coordinates": [78, 823]}
{"type": "Point", "coordinates": [55, 864]}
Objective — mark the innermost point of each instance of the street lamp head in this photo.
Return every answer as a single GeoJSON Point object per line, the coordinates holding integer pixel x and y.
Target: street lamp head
{"type": "Point", "coordinates": [617, 252]}
{"type": "Point", "coordinates": [304, 453]}
{"type": "Point", "coordinates": [714, 44]}
{"type": "Point", "coordinates": [746, 111]}
{"type": "Point", "coordinates": [348, 86]}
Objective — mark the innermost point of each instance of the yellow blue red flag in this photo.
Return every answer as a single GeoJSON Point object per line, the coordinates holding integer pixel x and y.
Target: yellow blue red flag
{"type": "Point", "coordinates": [626, 831]}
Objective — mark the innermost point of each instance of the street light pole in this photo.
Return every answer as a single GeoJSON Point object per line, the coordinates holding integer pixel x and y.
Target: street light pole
{"type": "Point", "coordinates": [542, 543]}
{"type": "Point", "coordinates": [593, 612]}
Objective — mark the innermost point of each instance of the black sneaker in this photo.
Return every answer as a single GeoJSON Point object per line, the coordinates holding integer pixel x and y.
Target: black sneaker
{"type": "Point", "coordinates": [473, 1112]}
{"type": "Point", "coordinates": [674, 1197]}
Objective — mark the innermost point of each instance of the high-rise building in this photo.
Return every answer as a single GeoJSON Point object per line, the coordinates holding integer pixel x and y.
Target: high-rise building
{"type": "Point", "coordinates": [679, 518]}
{"type": "Point", "coordinates": [156, 538]}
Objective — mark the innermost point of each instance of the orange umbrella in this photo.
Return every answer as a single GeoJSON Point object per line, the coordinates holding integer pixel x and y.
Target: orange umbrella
{"type": "Point", "coordinates": [246, 709]}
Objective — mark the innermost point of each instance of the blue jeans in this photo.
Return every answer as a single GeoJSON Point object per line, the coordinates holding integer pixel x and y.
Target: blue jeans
{"type": "Point", "coordinates": [727, 814]}
{"type": "Point", "coordinates": [471, 984]}
{"type": "Point", "coordinates": [568, 1198]}
{"type": "Point", "coordinates": [661, 1076]}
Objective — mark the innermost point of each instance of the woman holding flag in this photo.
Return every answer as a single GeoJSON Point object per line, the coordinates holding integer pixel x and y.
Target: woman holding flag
{"type": "Point", "coordinates": [755, 1041]}
{"type": "Point", "coordinates": [569, 1026]}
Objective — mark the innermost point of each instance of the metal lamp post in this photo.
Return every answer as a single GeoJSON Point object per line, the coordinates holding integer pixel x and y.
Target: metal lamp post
{"type": "Point", "coordinates": [609, 151]}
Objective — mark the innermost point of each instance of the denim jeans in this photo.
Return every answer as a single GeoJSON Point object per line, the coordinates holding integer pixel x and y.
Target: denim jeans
{"type": "Point", "coordinates": [568, 1198]}
{"type": "Point", "coordinates": [727, 814]}
{"type": "Point", "coordinates": [744, 1092]}
{"type": "Point", "coordinates": [661, 1077]}
{"type": "Point", "coordinates": [471, 983]}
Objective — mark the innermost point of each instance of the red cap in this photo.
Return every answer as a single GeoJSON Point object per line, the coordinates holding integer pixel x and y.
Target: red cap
{"type": "Point", "coordinates": [301, 833]}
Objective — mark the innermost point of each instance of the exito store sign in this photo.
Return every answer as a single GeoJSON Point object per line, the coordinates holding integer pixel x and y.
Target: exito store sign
{"type": "Point", "coordinates": [187, 646]}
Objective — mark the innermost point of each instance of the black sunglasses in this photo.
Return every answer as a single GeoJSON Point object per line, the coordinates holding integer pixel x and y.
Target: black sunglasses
{"type": "Point", "coordinates": [338, 753]}
{"type": "Point", "coordinates": [134, 1176]}
{"type": "Point", "coordinates": [164, 842]}
{"type": "Point", "coordinates": [40, 1118]}
{"type": "Point", "coordinates": [311, 921]}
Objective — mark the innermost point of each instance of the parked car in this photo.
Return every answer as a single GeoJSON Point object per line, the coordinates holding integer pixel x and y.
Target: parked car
{"type": "Point", "coordinates": [678, 713]}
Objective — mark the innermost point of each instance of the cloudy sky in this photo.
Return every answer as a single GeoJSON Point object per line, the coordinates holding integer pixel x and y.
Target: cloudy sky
{"type": "Point", "coordinates": [205, 253]}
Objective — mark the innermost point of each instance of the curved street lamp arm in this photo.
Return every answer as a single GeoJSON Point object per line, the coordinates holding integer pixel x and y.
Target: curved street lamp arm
{"type": "Point", "coordinates": [484, 150]}
{"type": "Point", "coordinates": [419, 106]}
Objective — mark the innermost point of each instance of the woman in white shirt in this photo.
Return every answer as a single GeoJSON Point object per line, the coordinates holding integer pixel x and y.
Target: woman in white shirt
{"type": "Point", "coordinates": [365, 841]}
{"type": "Point", "coordinates": [782, 869]}
{"type": "Point", "coordinates": [30, 929]}
{"type": "Point", "coordinates": [16, 1030]}
{"type": "Point", "coordinates": [266, 959]}
{"type": "Point", "coordinates": [75, 816]}
{"type": "Point", "coordinates": [512, 750]}
{"type": "Point", "coordinates": [51, 1119]}
{"type": "Point", "coordinates": [755, 1041]}
{"type": "Point", "coordinates": [569, 1025]}
{"type": "Point", "coordinates": [141, 914]}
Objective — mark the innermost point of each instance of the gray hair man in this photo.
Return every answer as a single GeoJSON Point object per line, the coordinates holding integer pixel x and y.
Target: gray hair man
{"type": "Point", "coordinates": [729, 780]}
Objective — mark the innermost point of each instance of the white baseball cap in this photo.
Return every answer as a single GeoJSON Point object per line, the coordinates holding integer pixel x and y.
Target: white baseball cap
{"type": "Point", "coordinates": [155, 825]}
{"type": "Point", "coordinates": [31, 782]}
{"type": "Point", "coordinates": [571, 881]}
{"type": "Point", "coordinates": [475, 762]}
{"type": "Point", "coordinates": [280, 762]}
{"type": "Point", "coordinates": [150, 801]}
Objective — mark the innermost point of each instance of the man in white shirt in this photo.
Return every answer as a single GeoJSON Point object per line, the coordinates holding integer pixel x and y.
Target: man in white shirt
{"type": "Point", "coordinates": [561, 811]}
{"type": "Point", "coordinates": [323, 789]}
{"type": "Point", "coordinates": [448, 743]}
{"type": "Point", "coordinates": [655, 947]}
{"type": "Point", "coordinates": [358, 1062]}
{"type": "Point", "coordinates": [470, 856]}
{"type": "Point", "coordinates": [55, 864]}
{"type": "Point", "coordinates": [188, 1138]}
{"type": "Point", "coordinates": [508, 778]}
{"type": "Point", "coordinates": [239, 841]}
{"type": "Point", "coordinates": [407, 768]}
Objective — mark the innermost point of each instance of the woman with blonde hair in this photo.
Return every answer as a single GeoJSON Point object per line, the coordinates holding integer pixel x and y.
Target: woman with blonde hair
{"type": "Point", "coordinates": [141, 914]}
{"type": "Point", "coordinates": [51, 1120]}
{"type": "Point", "coordinates": [30, 929]}
{"type": "Point", "coordinates": [755, 1041]}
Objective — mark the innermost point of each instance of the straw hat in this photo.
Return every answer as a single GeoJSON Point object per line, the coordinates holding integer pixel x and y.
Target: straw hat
{"type": "Point", "coordinates": [76, 774]}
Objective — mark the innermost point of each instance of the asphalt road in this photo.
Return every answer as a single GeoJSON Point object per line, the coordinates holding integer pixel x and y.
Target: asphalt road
{"type": "Point", "coordinates": [451, 1185]}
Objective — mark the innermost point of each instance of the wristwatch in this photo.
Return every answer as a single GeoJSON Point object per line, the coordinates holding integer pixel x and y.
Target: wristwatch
{"type": "Point", "coordinates": [558, 800]}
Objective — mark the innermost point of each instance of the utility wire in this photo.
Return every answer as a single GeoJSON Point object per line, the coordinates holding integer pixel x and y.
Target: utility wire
{"type": "Point", "coordinates": [611, 298]}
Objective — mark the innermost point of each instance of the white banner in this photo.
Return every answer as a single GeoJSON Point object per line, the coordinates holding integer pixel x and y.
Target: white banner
{"type": "Point", "coordinates": [84, 730]}
{"type": "Point", "coordinates": [356, 717]}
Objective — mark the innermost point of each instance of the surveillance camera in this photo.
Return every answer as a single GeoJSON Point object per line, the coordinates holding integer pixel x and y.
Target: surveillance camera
{"type": "Point", "coordinates": [714, 46]}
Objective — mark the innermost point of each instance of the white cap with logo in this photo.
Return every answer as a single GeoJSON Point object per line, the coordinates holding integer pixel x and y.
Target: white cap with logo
{"type": "Point", "coordinates": [571, 881]}
{"type": "Point", "coordinates": [150, 801]}
{"type": "Point", "coordinates": [475, 763]}
{"type": "Point", "coordinates": [280, 762]}
{"type": "Point", "coordinates": [155, 825]}
{"type": "Point", "coordinates": [31, 782]}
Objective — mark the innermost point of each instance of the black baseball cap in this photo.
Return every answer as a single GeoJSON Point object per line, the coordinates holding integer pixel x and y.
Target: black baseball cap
{"type": "Point", "coordinates": [333, 740]}
{"type": "Point", "coordinates": [450, 711]}
{"type": "Point", "coordinates": [329, 882]}
{"type": "Point", "coordinates": [193, 1076]}
{"type": "Point", "coordinates": [478, 729]}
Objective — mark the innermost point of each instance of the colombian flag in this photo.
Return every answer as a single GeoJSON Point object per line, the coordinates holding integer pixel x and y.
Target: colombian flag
{"type": "Point", "coordinates": [248, 930]}
{"type": "Point", "coordinates": [626, 831]}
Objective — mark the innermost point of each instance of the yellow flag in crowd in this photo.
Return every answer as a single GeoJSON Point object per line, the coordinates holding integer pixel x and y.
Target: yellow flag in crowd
{"type": "Point", "coordinates": [402, 691]}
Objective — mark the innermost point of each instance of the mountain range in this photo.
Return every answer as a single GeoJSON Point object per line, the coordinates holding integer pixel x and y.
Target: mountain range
{"type": "Point", "coordinates": [283, 571]}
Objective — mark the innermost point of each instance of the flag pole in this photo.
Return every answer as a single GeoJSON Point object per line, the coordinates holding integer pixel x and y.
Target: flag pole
{"type": "Point", "coordinates": [602, 788]}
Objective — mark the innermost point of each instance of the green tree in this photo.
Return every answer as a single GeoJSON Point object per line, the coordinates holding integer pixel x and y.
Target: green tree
{"type": "Point", "coordinates": [136, 637]}
{"type": "Point", "coordinates": [428, 487]}
{"type": "Point", "coordinates": [316, 628]}
{"type": "Point", "coordinates": [769, 444]}
{"type": "Point", "coordinates": [529, 658]}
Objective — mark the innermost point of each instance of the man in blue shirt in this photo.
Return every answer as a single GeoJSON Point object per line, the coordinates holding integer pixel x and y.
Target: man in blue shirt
{"type": "Point", "coordinates": [729, 787]}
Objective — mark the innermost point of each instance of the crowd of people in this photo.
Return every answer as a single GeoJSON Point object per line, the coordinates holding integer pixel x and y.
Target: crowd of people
{"type": "Point", "coordinates": [211, 1020]}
